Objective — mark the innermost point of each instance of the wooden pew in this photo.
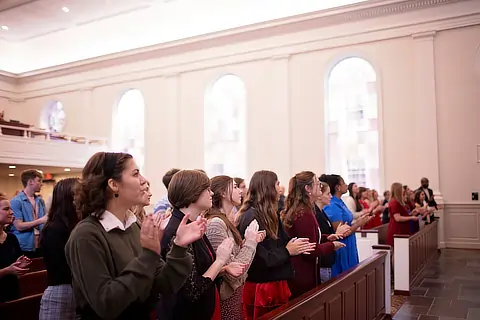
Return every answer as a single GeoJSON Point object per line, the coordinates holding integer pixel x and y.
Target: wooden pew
{"type": "Point", "coordinates": [32, 283]}
{"type": "Point", "coordinates": [31, 287]}
{"type": "Point", "coordinates": [411, 254]}
{"type": "Point", "coordinates": [37, 265]}
{"type": "Point", "coordinates": [358, 293]}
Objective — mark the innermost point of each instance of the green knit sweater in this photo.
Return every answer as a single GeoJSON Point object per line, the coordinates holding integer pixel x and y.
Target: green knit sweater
{"type": "Point", "coordinates": [114, 277]}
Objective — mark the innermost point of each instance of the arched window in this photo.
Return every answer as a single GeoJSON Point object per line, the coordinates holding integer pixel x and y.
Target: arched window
{"type": "Point", "coordinates": [352, 122]}
{"type": "Point", "coordinates": [53, 117]}
{"type": "Point", "coordinates": [224, 127]}
{"type": "Point", "coordinates": [128, 129]}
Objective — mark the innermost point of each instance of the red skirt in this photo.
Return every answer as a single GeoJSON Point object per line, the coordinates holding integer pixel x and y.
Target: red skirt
{"type": "Point", "coordinates": [259, 299]}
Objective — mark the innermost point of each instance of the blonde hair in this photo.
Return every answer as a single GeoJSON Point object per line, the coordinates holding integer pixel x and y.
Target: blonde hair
{"type": "Point", "coordinates": [397, 192]}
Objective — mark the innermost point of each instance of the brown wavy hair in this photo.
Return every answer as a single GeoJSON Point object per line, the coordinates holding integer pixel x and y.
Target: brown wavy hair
{"type": "Point", "coordinates": [222, 186]}
{"type": "Point", "coordinates": [298, 199]}
{"type": "Point", "coordinates": [91, 191]}
{"type": "Point", "coordinates": [262, 196]}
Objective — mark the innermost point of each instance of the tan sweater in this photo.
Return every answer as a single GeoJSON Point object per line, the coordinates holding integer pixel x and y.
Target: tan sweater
{"type": "Point", "coordinates": [217, 231]}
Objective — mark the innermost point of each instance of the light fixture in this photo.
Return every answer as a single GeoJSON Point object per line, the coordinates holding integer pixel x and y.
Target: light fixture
{"type": "Point", "coordinates": [66, 169]}
{"type": "Point", "coordinates": [65, 9]}
{"type": "Point", "coordinates": [40, 171]}
{"type": "Point", "coordinates": [5, 28]}
{"type": "Point", "coordinates": [11, 175]}
{"type": "Point", "coordinates": [12, 167]}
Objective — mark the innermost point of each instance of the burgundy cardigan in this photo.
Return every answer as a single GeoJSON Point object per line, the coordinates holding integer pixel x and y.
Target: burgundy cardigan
{"type": "Point", "coordinates": [306, 266]}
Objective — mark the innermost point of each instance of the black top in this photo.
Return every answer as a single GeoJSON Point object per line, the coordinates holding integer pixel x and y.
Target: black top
{"type": "Point", "coordinates": [386, 214]}
{"type": "Point", "coordinates": [326, 261]}
{"type": "Point", "coordinates": [272, 260]}
{"type": "Point", "coordinates": [53, 241]}
{"type": "Point", "coordinates": [9, 253]}
{"type": "Point", "coordinates": [197, 298]}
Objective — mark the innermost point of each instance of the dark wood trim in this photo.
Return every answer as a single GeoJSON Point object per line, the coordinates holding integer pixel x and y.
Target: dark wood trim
{"type": "Point", "coordinates": [358, 293]}
{"type": "Point", "coordinates": [381, 247]}
{"type": "Point", "coordinates": [401, 236]}
{"type": "Point", "coordinates": [401, 292]}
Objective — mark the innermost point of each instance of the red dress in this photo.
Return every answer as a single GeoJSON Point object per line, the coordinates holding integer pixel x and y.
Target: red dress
{"type": "Point", "coordinates": [306, 266]}
{"type": "Point", "coordinates": [394, 227]}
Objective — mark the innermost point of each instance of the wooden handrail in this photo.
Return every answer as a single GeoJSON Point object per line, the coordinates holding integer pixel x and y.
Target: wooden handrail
{"type": "Point", "coordinates": [355, 281]}
{"type": "Point", "coordinates": [30, 132]}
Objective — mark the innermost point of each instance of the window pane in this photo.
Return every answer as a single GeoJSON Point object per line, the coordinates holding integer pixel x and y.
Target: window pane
{"type": "Point", "coordinates": [224, 127]}
{"type": "Point", "coordinates": [128, 129]}
{"type": "Point", "coordinates": [352, 124]}
{"type": "Point", "coordinates": [53, 117]}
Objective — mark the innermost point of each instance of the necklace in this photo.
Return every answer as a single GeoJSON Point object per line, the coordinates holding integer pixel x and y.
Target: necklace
{"type": "Point", "coordinates": [3, 237]}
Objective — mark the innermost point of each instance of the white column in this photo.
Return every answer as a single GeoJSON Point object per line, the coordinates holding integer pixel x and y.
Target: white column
{"type": "Point", "coordinates": [280, 117]}
{"type": "Point", "coordinates": [425, 117]}
{"type": "Point", "coordinates": [86, 105]}
{"type": "Point", "coordinates": [161, 131]}
{"type": "Point", "coordinates": [425, 114]}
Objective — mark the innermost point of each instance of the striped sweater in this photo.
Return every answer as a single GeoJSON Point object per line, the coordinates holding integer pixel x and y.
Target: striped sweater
{"type": "Point", "coordinates": [217, 231]}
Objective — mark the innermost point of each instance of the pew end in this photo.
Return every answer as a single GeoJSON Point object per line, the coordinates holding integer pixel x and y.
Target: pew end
{"type": "Point", "coordinates": [26, 308]}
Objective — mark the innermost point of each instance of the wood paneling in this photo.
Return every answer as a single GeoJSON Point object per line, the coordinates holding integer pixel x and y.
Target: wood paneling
{"type": "Point", "coordinates": [358, 293]}
{"type": "Point", "coordinates": [423, 246]}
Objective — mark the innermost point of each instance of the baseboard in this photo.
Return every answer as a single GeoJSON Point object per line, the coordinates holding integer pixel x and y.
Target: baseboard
{"type": "Point", "coordinates": [401, 292]}
{"type": "Point", "coordinates": [461, 245]}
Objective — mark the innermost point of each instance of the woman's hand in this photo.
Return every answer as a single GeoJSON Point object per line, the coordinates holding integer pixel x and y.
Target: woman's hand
{"type": "Point", "coordinates": [150, 234]}
{"type": "Point", "coordinates": [261, 236]}
{"type": "Point", "coordinates": [342, 229]}
{"type": "Point", "coordinates": [251, 232]}
{"type": "Point", "coordinates": [16, 269]}
{"type": "Point", "coordinates": [235, 269]}
{"type": "Point", "coordinates": [298, 246]}
{"type": "Point", "coordinates": [338, 245]}
{"type": "Point", "coordinates": [24, 261]}
{"type": "Point", "coordinates": [189, 233]}
{"type": "Point", "coordinates": [334, 237]}
{"type": "Point", "coordinates": [224, 250]}
{"type": "Point", "coordinates": [414, 218]}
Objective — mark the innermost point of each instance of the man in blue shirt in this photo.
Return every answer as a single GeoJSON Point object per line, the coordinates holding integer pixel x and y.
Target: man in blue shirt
{"type": "Point", "coordinates": [29, 212]}
{"type": "Point", "coordinates": [163, 205]}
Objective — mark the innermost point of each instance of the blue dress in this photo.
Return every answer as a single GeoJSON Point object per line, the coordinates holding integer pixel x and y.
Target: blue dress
{"type": "Point", "coordinates": [346, 257]}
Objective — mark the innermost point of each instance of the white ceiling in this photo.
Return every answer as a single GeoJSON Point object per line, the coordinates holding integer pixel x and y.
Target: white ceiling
{"type": "Point", "coordinates": [41, 35]}
{"type": "Point", "coordinates": [27, 19]}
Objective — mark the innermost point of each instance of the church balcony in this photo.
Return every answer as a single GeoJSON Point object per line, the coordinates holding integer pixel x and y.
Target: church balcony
{"type": "Point", "coordinates": [23, 144]}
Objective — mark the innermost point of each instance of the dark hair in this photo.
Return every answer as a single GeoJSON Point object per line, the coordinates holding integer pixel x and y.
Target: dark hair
{"type": "Point", "coordinates": [238, 180]}
{"type": "Point", "coordinates": [385, 193]}
{"type": "Point", "coordinates": [358, 206]}
{"type": "Point", "coordinates": [333, 181]}
{"type": "Point", "coordinates": [186, 187]}
{"type": "Point", "coordinates": [63, 208]}
{"type": "Point", "coordinates": [418, 193]}
{"type": "Point", "coordinates": [30, 174]}
{"type": "Point", "coordinates": [222, 185]}
{"type": "Point", "coordinates": [92, 192]}
{"type": "Point", "coordinates": [298, 199]}
{"type": "Point", "coordinates": [262, 196]}
{"type": "Point", "coordinates": [168, 176]}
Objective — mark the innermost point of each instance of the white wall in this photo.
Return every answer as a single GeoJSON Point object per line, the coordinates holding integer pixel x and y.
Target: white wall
{"type": "Point", "coordinates": [427, 98]}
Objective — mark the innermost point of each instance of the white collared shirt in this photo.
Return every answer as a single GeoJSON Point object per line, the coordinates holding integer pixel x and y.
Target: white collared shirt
{"type": "Point", "coordinates": [109, 221]}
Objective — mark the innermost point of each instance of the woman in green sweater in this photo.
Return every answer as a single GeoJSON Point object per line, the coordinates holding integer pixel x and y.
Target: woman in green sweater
{"type": "Point", "coordinates": [117, 272]}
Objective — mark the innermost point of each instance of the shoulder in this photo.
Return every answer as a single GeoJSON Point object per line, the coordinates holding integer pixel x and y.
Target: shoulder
{"type": "Point", "coordinates": [216, 222]}
{"type": "Point", "coordinates": [16, 200]}
{"type": "Point", "coordinates": [88, 229]}
{"type": "Point", "coordinates": [11, 238]}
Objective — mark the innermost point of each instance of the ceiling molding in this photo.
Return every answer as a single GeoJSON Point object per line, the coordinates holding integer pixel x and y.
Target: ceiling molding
{"type": "Point", "coordinates": [325, 18]}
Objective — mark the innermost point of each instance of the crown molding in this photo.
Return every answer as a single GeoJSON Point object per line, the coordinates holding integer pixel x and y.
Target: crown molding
{"type": "Point", "coordinates": [321, 19]}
